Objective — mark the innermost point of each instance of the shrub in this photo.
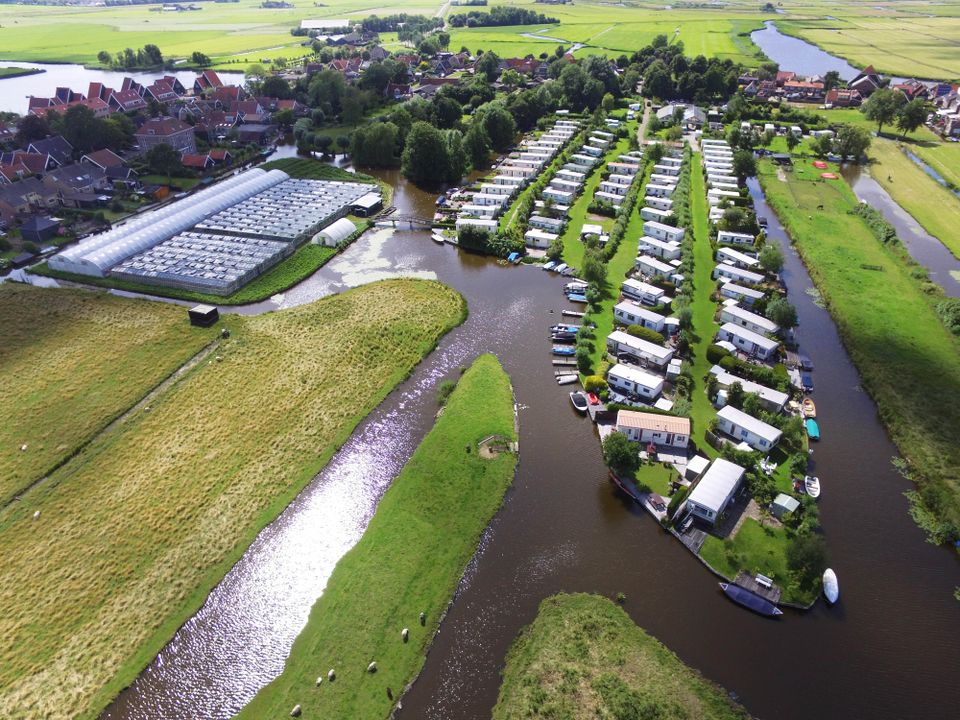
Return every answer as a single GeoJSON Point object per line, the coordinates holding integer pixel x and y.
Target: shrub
{"type": "Point", "coordinates": [715, 354]}
{"type": "Point", "coordinates": [594, 384]}
{"type": "Point", "coordinates": [645, 333]}
{"type": "Point", "coordinates": [619, 454]}
{"type": "Point", "coordinates": [444, 390]}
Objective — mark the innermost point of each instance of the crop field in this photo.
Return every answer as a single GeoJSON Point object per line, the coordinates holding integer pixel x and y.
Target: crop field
{"type": "Point", "coordinates": [584, 658]}
{"type": "Point", "coordinates": [73, 361]}
{"type": "Point", "coordinates": [162, 506]}
{"type": "Point", "coordinates": [408, 561]}
{"type": "Point", "coordinates": [909, 362]}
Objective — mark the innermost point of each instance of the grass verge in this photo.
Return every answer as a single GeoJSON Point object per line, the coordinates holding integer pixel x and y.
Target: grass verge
{"type": "Point", "coordinates": [584, 658]}
{"type": "Point", "coordinates": [160, 508]}
{"type": "Point", "coordinates": [408, 561]}
{"type": "Point", "coordinates": [908, 361]}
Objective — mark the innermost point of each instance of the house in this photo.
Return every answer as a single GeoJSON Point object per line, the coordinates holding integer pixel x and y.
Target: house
{"type": "Point", "coordinates": [733, 313]}
{"type": "Point", "coordinates": [255, 133]}
{"type": "Point", "coordinates": [663, 232]}
{"type": "Point", "coordinates": [608, 197]}
{"type": "Point", "coordinates": [221, 156]}
{"type": "Point", "coordinates": [536, 238]}
{"type": "Point", "coordinates": [739, 293]}
{"type": "Point", "coordinates": [7, 134]}
{"type": "Point", "coordinates": [126, 101]}
{"type": "Point", "coordinates": [843, 97]}
{"type": "Point", "coordinates": [772, 400]}
{"type": "Point", "coordinates": [643, 351]}
{"type": "Point", "coordinates": [642, 292]}
{"type": "Point", "coordinates": [550, 224]}
{"type": "Point", "coordinates": [39, 230]}
{"type": "Point", "coordinates": [803, 90]}
{"type": "Point", "coordinates": [746, 428]}
{"type": "Point", "coordinates": [629, 313]}
{"type": "Point", "coordinates": [166, 131]}
{"type": "Point", "coordinates": [666, 169]}
{"type": "Point", "coordinates": [207, 80]}
{"type": "Point", "coordinates": [660, 430]}
{"type": "Point", "coordinates": [651, 267]}
{"type": "Point", "coordinates": [783, 504]}
{"type": "Point", "coordinates": [714, 490]}
{"type": "Point", "coordinates": [76, 179]}
{"type": "Point", "coordinates": [731, 272]}
{"type": "Point", "coordinates": [635, 382]}
{"type": "Point", "coordinates": [736, 258]}
{"type": "Point", "coordinates": [55, 147]}
{"type": "Point", "coordinates": [103, 159]}
{"type": "Point", "coordinates": [655, 214]}
{"type": "Point", "coordinates": [659, 248]}
{"type": "Point", "coordinates": [735, 238]}
{"type": "Point", "coordinates": [196, 161]}
{"type": "Point", "coordinates": [661, 203]}
{"type": "Point", "coordinates": [488, 224]}
{"type": "Point", "coordinates": [660, 190]}
{"type": "Point", "coordinates": [29, 194]}
{"type": "Point", "coordinates": [747, 341]}
{"type": "Point", "coordinates": [122, 176]}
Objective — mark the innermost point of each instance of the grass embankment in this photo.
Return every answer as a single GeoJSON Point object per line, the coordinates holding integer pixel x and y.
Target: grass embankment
{"type": "Point", "coordinates": [909, 362]}
{"type": "Point", "coordinates": [12, 72]}
{"type": "Point", "coordinates": [72, 362]}
{"type": "Point", "coordinates": [584, 658]}
{"type": "Point", "coordinates": [138, 527]}
{"type": "Point", "coordinates": [930, 203]}
{"type": "Point", "coordinates": [943, 157]}
{"type": "Point", "coordinates": [408, 561]}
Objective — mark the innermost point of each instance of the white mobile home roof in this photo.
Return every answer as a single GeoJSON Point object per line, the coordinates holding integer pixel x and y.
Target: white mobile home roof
{"type": "Point", "coordinates": [737, 257]}
{"type": "Point", "coordinates": [772, 396]}
{"type": "Point", "coordinates": [735, 237]}
{"type": "Point", "coordinates": [639, 287]}
{"type": "Point", "coordinates": [647, 261]}
{"type": "Point", "coordinates": [653, 224]}
{"type": "Point", "coordinates": [637, 376]}
{"type": "Point", "coordinates": [760, 321]}
{"type": "Point", "coordinates": [724, 269]}
{"type": "Point", "coordinates": [611, 198]}
{"type": "Point", "coordinates": [641, 345]}
{"type": "Point", "coordinates": [749, 423]}
{"type": "Point", "coordinates": [641, 312]}
{"type": "Point", "coordinates": [717, 485]}
{"type": "Point", "coordinates": [733, 288]}
{"type": "Point", "coordinates": [478, 222]}
{"type": "Point", "coordinates": [750, 336]}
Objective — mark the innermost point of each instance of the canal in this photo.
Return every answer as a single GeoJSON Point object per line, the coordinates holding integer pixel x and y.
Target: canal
{"type": "Point", "coordinates": [798, 55]}
{"type": "Point", "coordinates": [888, 650]}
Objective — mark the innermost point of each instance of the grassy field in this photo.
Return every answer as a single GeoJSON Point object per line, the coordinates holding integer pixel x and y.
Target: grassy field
{"type": "Point", "coordinates": [933, 206]}
{"type": "Point", "coordinates": [584, 658]}
{"type": "Point", "coordinates": [408, 561]}
{"type": "Point", "coordinates": [73, 361]}
{"type": "Point", "coordinates": [908, 361]}
{"type": "Point", "coordinates": [943, 157]}
{"type": "Point", "coordinates": [160, 508]}
{"type": "Point", "coordinates": [9, 72]}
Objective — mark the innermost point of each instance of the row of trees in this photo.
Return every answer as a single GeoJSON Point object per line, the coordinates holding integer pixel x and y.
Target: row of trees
{"type": "Point", "coordinates": [149, 56]}
{"type": "Point", "coordinates": [80, 127]}
{"type": "Point", "coordinates": [500, 15]}
{"type": "Point", "coordinates": [887, 106]}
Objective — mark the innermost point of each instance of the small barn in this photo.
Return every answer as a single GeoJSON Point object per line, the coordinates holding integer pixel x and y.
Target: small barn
{"type": "Point", "coordinates": [783, 504]}
{"type": "Point", "coordinates": [203, 315]}
{"type": "Point", "coordinates": [367, 205]}
{"type": "Point", "coordinates": [335, 233]}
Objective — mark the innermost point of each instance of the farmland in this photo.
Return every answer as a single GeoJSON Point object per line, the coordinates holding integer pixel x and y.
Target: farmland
{"type": "Point", "coordinates": [909, 362]}
{"type": "Point", "coordinates": [583, 657]}
{"type": "Point", "coordinates": [161, 506]}
{"type": "Point", "coordinates": [72, 362]}
{"type": "Point", "coordinates": [408, 561]}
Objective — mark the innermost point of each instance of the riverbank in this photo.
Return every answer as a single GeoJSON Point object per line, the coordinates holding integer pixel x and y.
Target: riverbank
{"type": "Point", "coordinates": [583, 658]}
{"type": "Point", "coordinates": [907, 360]}
{"type": "Point", "coordinates": [12, 72]}
{"type": "Point", "coordinates": [165, 504]}
{"type": "Point", "coordinates": [409, 561]}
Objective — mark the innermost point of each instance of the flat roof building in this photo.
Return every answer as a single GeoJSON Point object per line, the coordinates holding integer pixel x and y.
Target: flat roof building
{"type": "Point", "coordinates": [715, 489]}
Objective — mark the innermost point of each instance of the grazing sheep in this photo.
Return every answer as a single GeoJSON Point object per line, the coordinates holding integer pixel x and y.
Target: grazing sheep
{"type": "Point", "coordinates": [36, 515]}
{"type": "Point", "coordinates": [331, 676]}
{"type": "Point", "coordinates": [319, 680]}
{"type": "Point", "coordinates": [296, 711]}
{"type": "Point", "coordinates": [372, 667]}
{"type": "Point", "coordinates": [405, 634]}
{"type": "Point", "coordinates": [423, 618]}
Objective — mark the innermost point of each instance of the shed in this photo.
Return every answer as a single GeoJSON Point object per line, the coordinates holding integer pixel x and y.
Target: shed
{"type": "Point", "coordinates": [695, 467]}
{"type": "Point", "coordinates": [335, 233]}
{"type": "Point", "coordinates": [38, 229]}
{"type": "Point", "coordinates": [203, 315]}
{"type": "Point", "coordinates": [367, 205]}
{"type": "Point", "coordinates": [783, 504]}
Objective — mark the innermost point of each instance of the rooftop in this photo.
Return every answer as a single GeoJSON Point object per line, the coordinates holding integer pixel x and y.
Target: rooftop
{"type": "Point", "coordinates": [716, 485]}
{"type": "Point", "coordinates": [653, 421]}
{"type": "Point", "coordinates": [749, 423]}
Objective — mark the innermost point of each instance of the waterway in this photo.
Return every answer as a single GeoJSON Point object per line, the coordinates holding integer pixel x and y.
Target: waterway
{"type": "Point", "coordinates": [888, 650]}
{"type": "Point", "coordinates": [798, 55]}
{"type": "Point", "coordinates": [15, 92]}
{"type": "Point", "coordinates": [940, 263]}
{"type": "Point", "coordinates": [919, 162]}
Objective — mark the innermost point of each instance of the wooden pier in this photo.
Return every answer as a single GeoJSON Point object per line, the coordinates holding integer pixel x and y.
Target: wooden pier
{"type": "Point", "coordinates": [565, 362]}
{"type": "Point", "coordinates": [750, 583]}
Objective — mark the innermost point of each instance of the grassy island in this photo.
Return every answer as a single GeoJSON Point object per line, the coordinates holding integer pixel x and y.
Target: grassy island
{"type": "Point", "coordinates": [584, 658]}
{"type": "Point", "coordinates": [408, 561]}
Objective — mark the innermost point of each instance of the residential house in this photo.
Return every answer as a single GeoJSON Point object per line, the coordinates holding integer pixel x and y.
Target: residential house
{"type": "Point", "coordinates": [843, 97]}
{"type": "Point", "coordinates": [635, 382]}
{"type": "Point", "coordinates": [739, 293]}
{"type": "Point", "coordinates": [747, 341]}
{"type": "Point", "coordinates": [733, 313]}
{"type": "Point", "coordinates": [646, 353]}
{"type": "Point", "coordinates": [58, 149]}
{"type": "Point", "coordinates": [103, 159]}
{"type": "Point", "coordinates": [659, 248]}
{"type": "Point", "coordinates": [39, 230]}
{"type": "Point", "coordinates": [866, 82]}
{"type": "Point", "coordinates": [735, 238]}
{"type": "Point", "coordinates": [642, 292]}
{"type": "Point", "coordinates": [714, 490]}
{"type": "Point", "coordinates": [629, 313]}
{"type": "Point", "coordinates": [166, 131]}
{"type": "Point", "coordinates": [772, 400]}
{"type": "Point", "coordinates": [197, 161]}
{"type": "Point", "coordinates": [737, 258]}
{"type": "Point", "coordinates": [746, 428]}
{"type": "Point", "coordinates": [660, 231]}
{"type": "Point", "coordinates": [737, 275]}
{"type": "Point", "coordinates": [28, 195]}
{"type": "Point", "coordinates": [650, 428]}
{"type": "Point", "coordinates": [651, 267]}
{"type": "Point", "coordinates": [256, 133]}
{"type": "Point", "coordinates": [207, 80]}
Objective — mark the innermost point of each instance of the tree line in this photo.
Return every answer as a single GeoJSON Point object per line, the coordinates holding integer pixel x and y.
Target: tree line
{"type": "Point", "coordinates": [500, 15]}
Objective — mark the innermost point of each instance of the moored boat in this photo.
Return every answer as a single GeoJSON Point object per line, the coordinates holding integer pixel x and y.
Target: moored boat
{"type": "Point", "coordinates": [563, 350]}
{"type": "Point", "coordinates": [567, 379]}
{"type": "Point", "coordinates": [831, 588]}
{"type": "Point", "coordinates": [809, 408]}
{"type": "Point", "coordinates": [812, 485]}
{"type": "Point", "coordinates": [438, 238]}
{"type": "Point", "coordinates": [750, 600]}
{"type": "Point", "coordinates": [813, 430]}
{"type": "Point", "coordinates": [579, 401]}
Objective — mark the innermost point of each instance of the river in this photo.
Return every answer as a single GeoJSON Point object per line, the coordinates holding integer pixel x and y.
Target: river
{"type": "Point", "coordinates": [798, 55]}
{"type": "Point", "coordinates": [888, 650]}
{"type": "Point", "coordinates": [14, 92]}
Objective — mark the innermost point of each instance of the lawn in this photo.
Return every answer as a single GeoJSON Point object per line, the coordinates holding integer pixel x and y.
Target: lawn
{"type": "Point", "coordinates": [72, 362]}
{"type": "Point", "coordinates": [943, 157]}
{"type": "Point", "coordinates": [409, 560]}
{"type": "Point", "coordinates": [931, 204]}
{"type": "Point", "coordinates": [184, 183]}
{"type": "Point", "coordinates": [584, 658]}
{"type": "Point", "coordinates": [908, 361]}
{"type": "Point", "coordinates": [756, 549]}
{"type": "Point", "coordinates": [162, 506]}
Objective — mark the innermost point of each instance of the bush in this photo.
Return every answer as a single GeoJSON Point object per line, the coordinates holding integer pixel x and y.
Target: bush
{"type": "Point", "coordinates": [620, 455]}
{"type": "Point", "coordinates": [716, 354]}
{"type": "Point", "coordinates": [676, 502]}
{"type": "Point", "coordinates": [645, 333]}
{"type": "Point", "coordinates": [594, 384]}
{"type": "Point", "coordinates": [444, 390]}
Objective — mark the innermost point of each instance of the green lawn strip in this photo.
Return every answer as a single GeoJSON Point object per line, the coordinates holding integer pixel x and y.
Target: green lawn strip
{"type": "Point", "coordinates": [929, 203]}
{"type": "Point", "coordinates": [11, 72]}
{"type": "Point", "coordinates": [184, 183]}
{"type": "Point", "coordinates": [408, 561]}
{"type": "Point", "coordinates": [584, 658]}
{"type": "Point", "coordinates": [655, 477]}
{"type": "Point", "coordinates": [908, 361]}
{"type": "Point", "coordinates": [756, 549]}
{"type": "Point", "coordinates": [703, 307]}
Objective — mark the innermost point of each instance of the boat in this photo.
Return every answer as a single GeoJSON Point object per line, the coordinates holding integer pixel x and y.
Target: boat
{"type": "Point", "coordinates": [514, 258]}
{"type": "Point", "coordinates": [806, 380]}
{"type": "Point", "coordinates": [579, 401]}
{"type": "Point", "coordinates": [560, 268]}
{"type": "Point", "coordinates": [563, 350]}
{"type": "Point", "coordinates": [812, 485]}
{"type": "Point", "coordinates": [809, 408]}
{"type": "Point", "coordinates": [437, 237]}
{"type": "Point", "coordinates": [804, 362]}
{"type": "Point", "coordinates": [550, 265]}
{"type": "Point", "coordinates": [750, 600]}
{"type": "Point", "coordinates": [813, 430]}
{"type": "Point", "coordinates": [831, 588]}
{"type": "Point", "coordinates": [563, 337]}
{"type": "Point", "coordinates": [572, 313]}
{"type": "Point", "coordinates": [577, 298]}
{"type": "Point", "coordinates": [565, 327]}
{"type": "Point", "coordinates": [567, 379]}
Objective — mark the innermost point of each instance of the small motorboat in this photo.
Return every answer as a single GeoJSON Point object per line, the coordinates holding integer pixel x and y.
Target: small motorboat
{"type": "Point", "coordinates": [804, 363]}
{"type": "Point", "coordinates": [831, 588]}
{"type": "Point", "coordinates": [806, 381]}
{"type": "Point", "coordinates": [579, 401]}
{"type": "Point", "coordinates": [560, 268]}
{"type": "Point", "coordinates": [812, 485]}
{"type": "Point", "coordinates": [809, 408]}
{"type": "Point", "coordinates": [813, 430]}
{"type": "Point", "coordinates": [750, 600]}
{"type": "Point", "coordinates": [438, 238]}
{"type": "Point", "coordinates": [593, 399]}
{"type": "Point", "coordinates": [567, 379]}
{"type": "Point", "coordinates": [565, 327]}
{"type": "Point", "coordinates": [563, 350]}
{"type": "Point", "coordinates": [550, 265]}
{"type": "Point", "coordinates": [563, 337]}
{"type": "Point", "coordinates": [514, 258]}
{"type": "Point", "coordinates": [577, 298]}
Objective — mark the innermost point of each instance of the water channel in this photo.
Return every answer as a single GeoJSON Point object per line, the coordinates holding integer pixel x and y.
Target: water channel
{"type": "Point", "coordinates": [888, 650]}
{"type": "Point", "coordinates": [15, 91]}
{"type": "Point", "coordinates": [798, 55]}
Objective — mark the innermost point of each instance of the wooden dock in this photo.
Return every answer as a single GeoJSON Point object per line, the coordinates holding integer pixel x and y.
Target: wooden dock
{"type": "Point", "coordinates": [750, 583]}
{"type": "Point", "coordinates": [565, 362]}
{"type": "Point", "coordinates": [573, 313]}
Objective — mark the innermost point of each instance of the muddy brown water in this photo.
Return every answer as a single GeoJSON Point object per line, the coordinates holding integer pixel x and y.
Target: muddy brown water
{"type": "Point", "coordinates": [888, 650]}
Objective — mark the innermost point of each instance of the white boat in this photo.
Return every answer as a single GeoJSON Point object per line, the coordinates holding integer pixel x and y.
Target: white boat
{"type": "Point", "coordinates": [812, 485]}
{"type": "Point", "coordinates": [579, 401]}
{"type": "Point", "coordinates": [831, 588]}
{"type": "Point", "coordinates": [437, 237]}
{"type": "Point", "coordinates": [567, 379]}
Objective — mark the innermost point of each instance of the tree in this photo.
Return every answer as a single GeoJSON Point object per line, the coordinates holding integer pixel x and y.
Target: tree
{"type": "Point", "coordinates": [424, 157]}
{"type": "Point", "coordinates": [82, 129]}
{"type": "Point", "coordinates": [511, 78]}
{"type": "Point", "coordinates": [822, 146]}
{"type": "Point", "coordinates": [343, 143]}
{"type": "Point", "coordinates": [375, 145]}
{"type": "Point", "coordinates": [500, 126]}
{"type": "Point", "coordinates": [488, 66]}
{"type": "Point", "coordinates": [594, 384]}
{"type": "Point", "coordinates": [851, 141]}
{"type": "Point", "coordinates": [807, 557]}
{"type": "Point", "coordinates": [555, 251]}
{"type": "Point", "coordinates": [782, 312]}
{"type": "Point", "coordinates": [276, 86]}
{"type": "Point", "coordinates": [594, 268]}
{"type": "Point", "coordinates": [456, 155]}
{"type": "Point", "coordinates": [104, 57]}
{"type": "Point", "coordinates": [445, 112]}
{"type": "Point", "coordinates": [911, 116]}
{"type": "Point", "coordinates": [882, 106]}
{"type": "Point", "coordinates": [472, 237]}
{"type": "Point", "coordinates": [198, 58]}
{"type": "Point", "coordinates": [580, 89]}
{"type": "Point", "coordinates": [831, 80]}
{"type": "Point", "coordinates": [323, 142]}
{"type": "Point", "coordinates": [735, 395]}
{"type": "Point", "coordinates": [477, 144]}
{"type": "Point", "coordinates": [608, 103]}
{"type": "Point", "coordinates": [792, 141]}
{"type": "Point", "coordinates": [30, 128]}
{"type": "Point", "coordinates": [771, 258]}
{"type": "Point", "coordinates": [619, 454]}
{"type": "Point", "coordinates": [285, 118]}
{"type": "Point", "coordinates": [744, 164]}
{"type": "Point", "coordinates": [255, 75]}
{"type": "Point", "coordinates": [163, 160]}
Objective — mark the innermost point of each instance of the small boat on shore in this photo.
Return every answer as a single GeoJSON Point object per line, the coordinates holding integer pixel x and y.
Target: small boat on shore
{"type": "Point", "coordinates": [813, 430]}
{"type": "Point", "coordinates": [438, 238]}
{"type": "Point", "coordinates": [809, 408]}
{"type": "Point", "coordinates": [812, 485]}
{"type": "Point", "coordinates": [750, 600]}
{"type": "Point", "coordinates": [579, 401]}
{"type": "Point", "coordinates": [549, 265]}
{"type": "Point", "coordinates": [804, 362]}
{"type": "Point", "coordinates": [831, 588]}
{"type": "Point", "coordinates": [563, 350]}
